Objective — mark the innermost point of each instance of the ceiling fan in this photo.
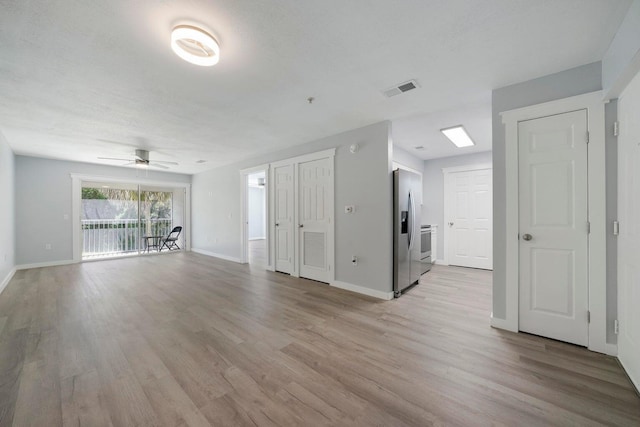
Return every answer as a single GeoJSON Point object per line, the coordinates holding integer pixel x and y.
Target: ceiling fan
{"type": "Point", "coordinates": [142, 159]}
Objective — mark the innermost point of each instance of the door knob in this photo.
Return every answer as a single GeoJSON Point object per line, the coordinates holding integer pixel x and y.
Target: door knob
{"type": "Point", "coordinates": [450, 224]}
{"type": "Point", "coordinates": [527, 237]}
{"type": "Point", "coordinates": [277, 224]}
{"type": "Point", "coordinates": [301, 225]}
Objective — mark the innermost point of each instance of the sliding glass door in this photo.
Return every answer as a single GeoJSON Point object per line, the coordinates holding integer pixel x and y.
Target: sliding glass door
{"type": "Point", "coordinates": [127, 219]}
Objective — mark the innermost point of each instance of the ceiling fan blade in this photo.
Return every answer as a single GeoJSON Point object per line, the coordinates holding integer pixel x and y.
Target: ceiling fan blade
{"type": "Point", "coordinates": [114, 158]}
{"type": "Point", "coordinates": [165, 162]}
{"type": "Point", "coordinates": [155, 165]}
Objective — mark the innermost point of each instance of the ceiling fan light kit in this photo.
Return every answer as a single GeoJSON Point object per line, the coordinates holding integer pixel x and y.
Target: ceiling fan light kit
{"type": "Point", "coordinates": [195, 45]}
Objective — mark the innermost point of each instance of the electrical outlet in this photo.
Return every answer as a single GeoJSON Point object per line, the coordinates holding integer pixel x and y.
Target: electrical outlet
{"type": "Point", "coordinates": [47, 246]}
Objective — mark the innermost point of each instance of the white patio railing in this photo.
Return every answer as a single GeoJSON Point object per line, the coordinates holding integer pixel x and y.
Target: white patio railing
{"type": "Point", "coordinates": [108, 237]}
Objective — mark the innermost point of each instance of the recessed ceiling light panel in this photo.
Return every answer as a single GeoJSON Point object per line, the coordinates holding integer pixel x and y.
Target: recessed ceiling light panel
{"type": "Point", "coordinates": [458, 135]}
{"type": "Point", "coordinates": [195, 45]}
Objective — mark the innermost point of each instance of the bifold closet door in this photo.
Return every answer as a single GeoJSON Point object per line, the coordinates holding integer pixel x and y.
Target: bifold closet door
{"type": "Point", "coordinates": [315, 190]}
{"type": "Point", "coordinates": [283, 218]}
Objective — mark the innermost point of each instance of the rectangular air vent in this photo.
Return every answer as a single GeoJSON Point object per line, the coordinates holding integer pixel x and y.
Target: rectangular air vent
{"type": "Point", "coordinates": [401, 88]}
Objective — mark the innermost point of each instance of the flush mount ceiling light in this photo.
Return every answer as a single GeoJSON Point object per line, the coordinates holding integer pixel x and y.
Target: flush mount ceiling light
{"type": "Point", "coordinates": [458, 135]}
{"type": "Point", "coordinates": [195, 45]}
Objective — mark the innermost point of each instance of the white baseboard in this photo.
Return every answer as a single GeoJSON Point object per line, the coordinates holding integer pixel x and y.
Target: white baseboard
{"type": "Point", "coordinates": [44, 264]}
{"type": "Point", "coordinates": [7, 279]}
{"type": "Point", "coordinates": [215, 255]}
{"type": "Point", "coordinates": [611, 349]}
{"type": "Point", "coordinates": [362, 290]}
{"type": "Point", "coordinates": [257, 238]}
{"type": "Point", "coordinates": [502, 324]}
{"type": "Point", "coordinates": [440, 262]}
{"type": "Point", "coordinates": [634, 381]}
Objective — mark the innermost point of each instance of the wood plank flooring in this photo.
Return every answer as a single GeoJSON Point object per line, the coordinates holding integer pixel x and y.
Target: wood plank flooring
{"type": "Point", "coordinates": [188, 340]}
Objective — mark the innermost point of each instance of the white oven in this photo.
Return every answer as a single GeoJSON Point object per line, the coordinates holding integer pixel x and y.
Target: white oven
{"type": "Point", "coordinates": [425, 248]}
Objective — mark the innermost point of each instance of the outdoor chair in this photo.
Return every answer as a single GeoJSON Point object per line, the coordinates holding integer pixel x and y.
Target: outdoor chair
{"type": "Point", "coordinates": [170, 242]}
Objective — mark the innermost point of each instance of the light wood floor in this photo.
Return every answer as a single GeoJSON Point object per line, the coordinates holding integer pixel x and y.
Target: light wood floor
{"type": "Point", "coordinates": [258, 253]}
{"type": "Point", "coordinates": [185, 339]}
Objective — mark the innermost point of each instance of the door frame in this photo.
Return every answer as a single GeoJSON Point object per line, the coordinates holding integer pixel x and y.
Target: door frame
{"type": "Point", "coordinates": [76, 200]}
{"type": "Point", "coordinates": [594, 104]}
{"type": "Point", "coordinates": [330, 154]}
{"type": "Point", "coordinates": [244, 214]}
{"type": "Point", "coordinates": [448, 174]}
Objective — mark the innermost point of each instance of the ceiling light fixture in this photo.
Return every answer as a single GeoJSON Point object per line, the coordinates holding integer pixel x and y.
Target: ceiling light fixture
{"type": "Point", "coordinates": [195, 45]}
{"type": "Point", "coordinates": [458, 135]}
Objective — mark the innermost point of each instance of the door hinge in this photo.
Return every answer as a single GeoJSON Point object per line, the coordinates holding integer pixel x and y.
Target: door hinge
{"type": "Point", "coordinates": [588, 227]}
{"type": "Point", "coordinates": [588, 316]}
{"type": "Point", "coordinates": [587, 137]}
{"type": "Point", "coordinates": [616, 228]}
{"type": "Point", "coordinates": [616, 327]}
{"type": "Point", "coordinates": [616, 128]}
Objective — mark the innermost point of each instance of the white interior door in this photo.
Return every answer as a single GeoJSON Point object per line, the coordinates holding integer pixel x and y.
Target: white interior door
{"type": "Point", "coordinates": [629, 237]}
{"type": "Point", "coordinates": [553, 227]}
{"type": "Point", "coordinates": [283, 218]}
{"type": "Point", "coordinates": [315, 189]}
{"type": "Point", "coordinates": [470, 219]}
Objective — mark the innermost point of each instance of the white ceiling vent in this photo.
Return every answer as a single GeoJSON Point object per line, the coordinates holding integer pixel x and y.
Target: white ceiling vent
{"type": "Point", "coordinates": [401, 88]}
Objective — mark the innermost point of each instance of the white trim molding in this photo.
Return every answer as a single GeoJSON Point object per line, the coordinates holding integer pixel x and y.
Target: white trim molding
{"type": "Point", "coordinates": [7, 279]}
{"type": "Point", "coordinates": [362, 290]}
{"type": "Point", "coordinates": [467, 168]}
{"type": "Point", "coordinates": [594, 104]}
{"type": "Point", "coordinates": [216, 255]}
{"type": "Point", "coordinates": [501, 324]}
{"type": "Point", "coordinates": [331, 152]}
{"type": "Point", "coordinates": [45, 264]}
{"type": "Point", "coordinates": [244, 206]}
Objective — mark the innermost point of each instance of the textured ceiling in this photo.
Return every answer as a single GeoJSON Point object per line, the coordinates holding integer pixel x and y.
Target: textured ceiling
{"type": "Point", "coordinates": [81, 79]}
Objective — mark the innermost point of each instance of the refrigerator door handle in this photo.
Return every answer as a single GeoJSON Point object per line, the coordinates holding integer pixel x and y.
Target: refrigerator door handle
{"type": "Point", "coordinates": [411, 219]}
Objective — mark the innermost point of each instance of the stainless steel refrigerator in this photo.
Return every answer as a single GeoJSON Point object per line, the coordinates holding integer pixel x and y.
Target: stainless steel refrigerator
{"type": "Point", "coordinates": [406, 230]}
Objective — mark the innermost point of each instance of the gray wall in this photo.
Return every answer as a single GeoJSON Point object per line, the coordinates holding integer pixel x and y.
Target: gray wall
{"type": "Point", "coordinates": [407, 159]}
{"type": "Point", "coordinates": [257, 215]}
{"type": "Point", "coordinates": [622, 60]}
{"type": "Point", "coordinates": [7, 203]}
{"type": "Point", "coordinates": [361, 179]}
{"type": "Point", "coordinates": [576, 81]}
{"type": "Point", "coordinates": [43, 198]}
{"type": "Point", "coordinates": [433, 189]}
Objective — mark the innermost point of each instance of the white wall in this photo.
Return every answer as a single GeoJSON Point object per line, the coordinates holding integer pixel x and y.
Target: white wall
{"type": "Point", "coordinates": [433, 189]}
{"type": "Point", "coordinates": [7, 212]}
{"type": "Point", "coordinates": [43, 198]}
{"type": "Point", "coordinates": [407, 159]}
{"type": "Point", "coordinates": [256, 213]}
{"type": "Point", "coordinates": [361, 179]}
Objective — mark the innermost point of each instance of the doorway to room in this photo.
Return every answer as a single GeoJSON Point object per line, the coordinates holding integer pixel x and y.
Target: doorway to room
{"type": "Point", "coordinates": [257, 219]}
{"type": "Point", "coordinates": [468, 215]}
